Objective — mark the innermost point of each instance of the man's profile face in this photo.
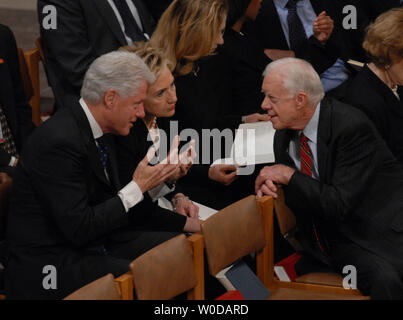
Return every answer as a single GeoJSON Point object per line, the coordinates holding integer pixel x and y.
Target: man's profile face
{"type": "Point", "coordinates": [279, 104]}
{"type": "Point", "coordinates": [126, 111]}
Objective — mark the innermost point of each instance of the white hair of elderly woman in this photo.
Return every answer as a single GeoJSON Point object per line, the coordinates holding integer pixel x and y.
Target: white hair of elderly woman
{"type": "Point", "coordinates": [122, 71]}
{"type": "Point", "coordinates": [298, 75]}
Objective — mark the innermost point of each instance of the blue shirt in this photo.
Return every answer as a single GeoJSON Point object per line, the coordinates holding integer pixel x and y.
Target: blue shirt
{"type": "Point", "coordinates": [336, 74]}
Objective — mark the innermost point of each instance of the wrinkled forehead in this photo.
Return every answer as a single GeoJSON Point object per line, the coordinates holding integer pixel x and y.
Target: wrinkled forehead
{"type": "Point", "coordinates": [273, 81]}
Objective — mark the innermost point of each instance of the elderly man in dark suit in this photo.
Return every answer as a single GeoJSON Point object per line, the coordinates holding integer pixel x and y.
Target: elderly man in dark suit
{"type": "Point", "coordinates": [86, 29]}
{"type": "Point", "coordinates": [340, 179]}
{"type": "Point", "coordinates": [15, 111]}
{"type": "Point", "coordinates": [67, 199]}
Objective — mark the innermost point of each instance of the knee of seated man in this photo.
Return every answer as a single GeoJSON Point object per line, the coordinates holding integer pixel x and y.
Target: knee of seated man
{"type": "Point", "coordinates": [380, 283]}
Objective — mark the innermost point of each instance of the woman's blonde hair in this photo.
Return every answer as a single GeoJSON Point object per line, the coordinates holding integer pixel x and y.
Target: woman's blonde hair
{"type": "Point", "coordinates": [188, 30]}
{"type": "Point", "coordinates": [384, 40]}
{"type": "Point", "coordinates": [153, 57]}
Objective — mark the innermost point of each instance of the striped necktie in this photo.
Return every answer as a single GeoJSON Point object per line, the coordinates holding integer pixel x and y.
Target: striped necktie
{"type": "Point", "coordinates": [306, 156]}
{"type": "Point", "coordinates": [306, 168]}
{"type": "Point", "coordinates": [104, 155]}
{"type": "Point", "coordinates": [296, 29]}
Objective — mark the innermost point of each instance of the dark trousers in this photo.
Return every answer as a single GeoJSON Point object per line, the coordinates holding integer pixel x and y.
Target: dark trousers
{"type": "Point", "coordinates": [25, 277]}
{"type": "Point", "coordinates": [376, 276]}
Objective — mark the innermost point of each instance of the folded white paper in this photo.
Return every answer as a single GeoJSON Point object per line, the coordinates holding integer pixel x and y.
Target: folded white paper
{"type": "Point", "coordinates": [253, 144]}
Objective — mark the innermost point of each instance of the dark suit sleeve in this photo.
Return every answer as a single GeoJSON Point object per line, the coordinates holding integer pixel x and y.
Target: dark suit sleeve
{"type": "Point", "coordinates": [322, 57]}
{"type": "Point", "coordinates": [23, 110]}
{"type": "Point", "coordinates": [354, 164]}
{"type": "Point", "coordinates": [68, 46]}
{"type": "Point", "coordinates": [61, 179]}
{"type": "Point", "coordinates": [5, 158]}
{"type": "Point", "coordinates": [148, 215]}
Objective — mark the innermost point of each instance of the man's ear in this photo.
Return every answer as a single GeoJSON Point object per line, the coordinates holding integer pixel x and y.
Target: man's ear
{"type": "Point", "coordinates": [301, 99]}
{"type": "Point", "coordinates": [110, 98]}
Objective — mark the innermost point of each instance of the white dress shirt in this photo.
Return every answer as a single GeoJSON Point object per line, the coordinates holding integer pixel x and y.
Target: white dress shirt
{"type": "Point", "coordinates": [131, 193]}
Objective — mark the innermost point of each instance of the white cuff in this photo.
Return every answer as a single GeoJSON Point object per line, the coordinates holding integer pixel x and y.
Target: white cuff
{"type": "Point", "coordinates": [12, 161]}
{"type": "Point", "coordinates": [130, 195]}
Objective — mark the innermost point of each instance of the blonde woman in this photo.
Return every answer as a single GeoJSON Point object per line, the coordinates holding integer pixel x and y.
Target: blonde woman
{"type": "Point", "coordinates": [189, 32]}
{"type": "Point", "coordinates": [377, 89]}
{"type": "Point", "coordinates": [158, 106]}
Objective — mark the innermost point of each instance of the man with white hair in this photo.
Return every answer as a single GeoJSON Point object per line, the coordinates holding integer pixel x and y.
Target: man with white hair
{"type": "Point", "coordinates": [339, 178]}
{"type": "Point", "coordinates": [67, 198]}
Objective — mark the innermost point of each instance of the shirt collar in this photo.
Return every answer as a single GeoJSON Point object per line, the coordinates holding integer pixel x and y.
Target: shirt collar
{"type": "Point", "coordinates": [283, 3]}
{"type": "Point", "coordinates": [280, 3]}
{"type": "Point", "coordinates": [311, 129]}
{"type": "Point", "coordinates": [95, 128]}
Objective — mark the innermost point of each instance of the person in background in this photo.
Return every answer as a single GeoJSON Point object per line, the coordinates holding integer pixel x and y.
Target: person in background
{"type": "Point", "coordinates": [377, 90]}
{"type": "Point", "coordinates": [308, 29]}
{"type": "Point", "coordinates": [15, 112]}
{"type": "Point", "coordinates": [247, 58]}
{"type": "Point", "coordinates": [189, 32]}
{"type": "Point", "coordinates": [85, 30]}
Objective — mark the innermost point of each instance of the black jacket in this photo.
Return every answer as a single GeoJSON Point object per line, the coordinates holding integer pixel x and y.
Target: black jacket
{"type": "Point", "coordinates": [63, 208]}
{"type": "Point", "coordinates": [86, 29]}
{"type": "Point", "coordinates": [368, 93]}
{"type": "Point", "coordinates": [247, 63]}
{"type": "Point", "coordinates": [359, 195]}
{"type": "Point", "coordinates": [13, 99]}
{"type": "Point", "coordinates": [270, 33]}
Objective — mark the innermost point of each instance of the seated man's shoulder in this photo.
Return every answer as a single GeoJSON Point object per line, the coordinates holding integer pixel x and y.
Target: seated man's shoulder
{"type": "Point", "coordinates": [348, 117]}
{"type": "Point", "coordinates": [61, 129]}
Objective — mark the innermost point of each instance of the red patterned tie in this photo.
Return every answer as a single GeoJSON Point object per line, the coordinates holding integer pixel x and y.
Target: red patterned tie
{"type": "Point", "coordinates": [306, 167]}
{"type": "Point", "coordinates": [306, 156]}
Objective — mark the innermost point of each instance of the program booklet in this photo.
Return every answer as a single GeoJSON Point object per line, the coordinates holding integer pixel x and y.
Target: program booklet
{"type": "Point", "coordinates": [253, 144]}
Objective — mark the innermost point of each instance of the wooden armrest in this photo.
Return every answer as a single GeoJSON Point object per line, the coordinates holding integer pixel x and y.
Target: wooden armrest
{"type": "Point", "coordinates": [265, 257]}
{"type": "Point", "coordinates": [124, 284]}
{"type": "Point", "coordinates": [196, 244]}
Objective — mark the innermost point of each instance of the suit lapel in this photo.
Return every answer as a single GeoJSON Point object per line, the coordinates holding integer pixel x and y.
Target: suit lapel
{"type": "Point", "coordinates": [114, 173]}
{"type": "Point", "coordinates": [282, 140]}
{"type": "Point", "coordinates": [93, 154]}
{"type": "Point", "coordinates": [273, 23]}
{"type": "Point", "coordinates": [108, 14]}
{"type": "Point", "coordinates": [146, 18]}
{"type": "Point", "coordinates": [324, 132]}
